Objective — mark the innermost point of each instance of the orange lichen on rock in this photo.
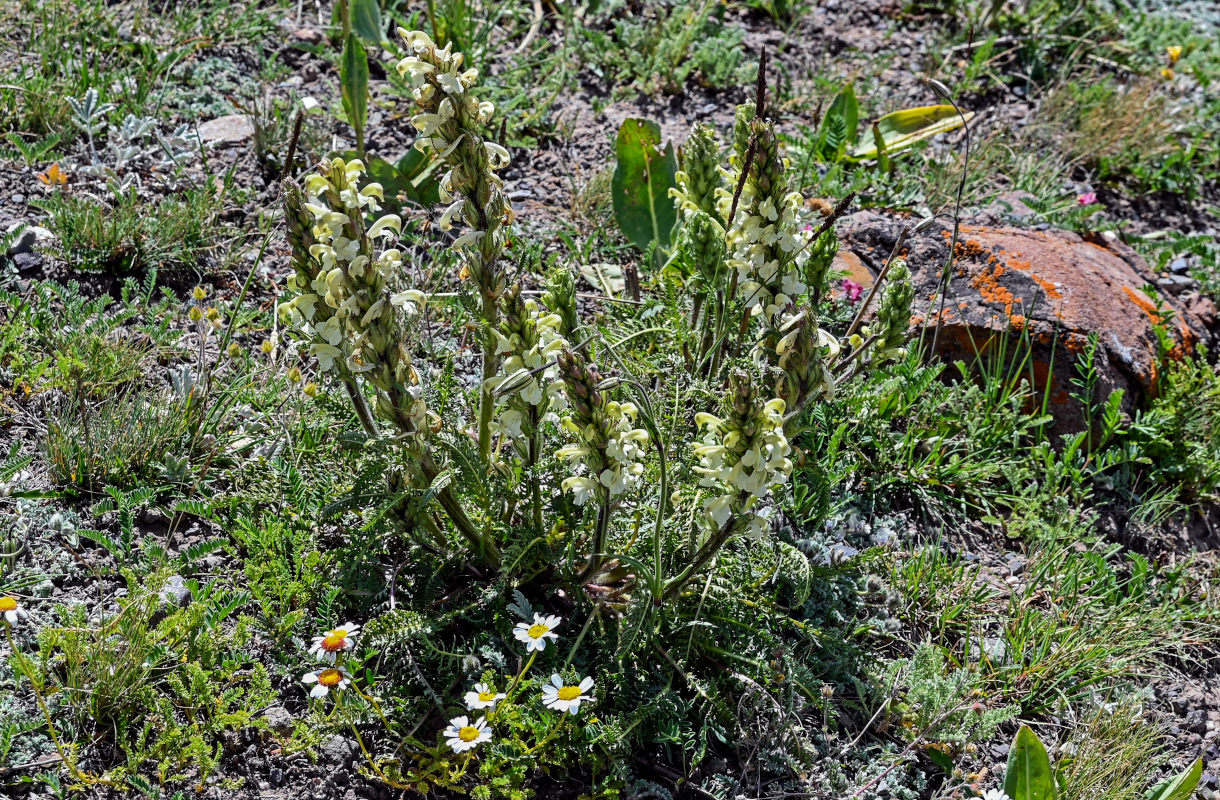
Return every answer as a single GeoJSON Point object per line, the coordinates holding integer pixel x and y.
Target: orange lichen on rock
{"type": "Point", "coordinates": [987, 284]}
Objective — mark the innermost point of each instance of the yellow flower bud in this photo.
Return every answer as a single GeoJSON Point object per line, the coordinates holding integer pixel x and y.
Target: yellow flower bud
{"type": "Point", "coordinates": [212, 314]}
{"type": "Point", "coordinates": [1175, 52]}
{"type": "Point", "coordinates": [1167, 74]}
{"type": "Point", "coordinates": [234, 350]}
{"type": "Point", "coordinates": [294, 375]}
{"type": "Point", "coordinates": [267, 347]}
{"type": "Point", "coordinates": [195, 314]}
{"type": "Point", "coordinates": [310, 389]}
{"type": "Point", "coordinates": [199, 292]}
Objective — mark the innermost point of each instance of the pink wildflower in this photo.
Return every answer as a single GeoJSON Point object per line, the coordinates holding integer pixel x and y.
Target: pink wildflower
{"type": "Point", "coordinates": [1087, 199]}
{"type": "Point", "coordinates": [852, 290]}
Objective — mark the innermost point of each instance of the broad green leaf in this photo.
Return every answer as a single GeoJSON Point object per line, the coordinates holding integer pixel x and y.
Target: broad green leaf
{"type": "Point", "coordinates": [1181, 787]}
{"type": "Point", "coordinates": [843, 108]}
{"type": "Point", "coordinates": [901, 129]}
{"type": "Point", "coordinates": [354, 82]}
{"type": "Point", "coordinates": [412, 181]}
{"type": "Point", "coordinates": [366, 20]}
{"type": "Point", "coordinates": [643, 177]}
{"type": "Point", "coordinates": [1029, 776]}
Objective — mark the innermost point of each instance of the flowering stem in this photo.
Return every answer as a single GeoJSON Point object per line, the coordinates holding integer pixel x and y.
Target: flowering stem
{"type": "Point", "coordinates": [64, 756]}
{"type": "Point", "coordinates": [509, 693]}
{"type": "Point", "coordinates": [491, 366]}
{"type": "Point", "coordinates": [674, 586]}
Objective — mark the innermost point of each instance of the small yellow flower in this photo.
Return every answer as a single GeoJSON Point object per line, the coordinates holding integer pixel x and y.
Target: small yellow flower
{"type": "Point", "coordinates": [234, 350]}
{"type": "Point", "coordinates": [336, 678]}
{"type": "Point", "coordinates": [294, 375]}
{"type": "Point", "coordinates": [461, 735]}
{"type": "Point", "coordinates": [1175, 53]}
{"type": "Point", "coordinates": [535, 635]}
{"type": "Point", "coordinates": [199, 293]}
{"type": "Point", "coordinates": [310, 389]}
{"type": "Point", "coordinates": [212, 314]}
{"type": "Point", "coordinates": [564, 698]}
{"type": "Point", "coordinates": [332, 642]}
{"type": "Point", "coordinates": [267, 347]}
{"type": "Point", "coordinates": [1167, 74]}
{"type": "Point", "coordinates": [195, 314]}
{"type": "Point", "coordinates": [482, 696]}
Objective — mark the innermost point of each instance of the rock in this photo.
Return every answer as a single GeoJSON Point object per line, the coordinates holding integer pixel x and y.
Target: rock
{"type": "Point", "coordinates": [278, 719]}
{"type": "Point", "coordinates": [25, 241]}
{"type": "Point", "coordinates": [306, 36]}
{"type": "Point", "coordinates": [175, 592]}
{"type": "Point", "coordinates": [276, 776]}
{"type": "Point", "coordinates": [227, 130]}
{"type": "Point", "coordinates": [309, 103]}
{"type": "Point", "coordinates": [337, 751]}
{"type": "Point", "coordinates": [1056, 286]}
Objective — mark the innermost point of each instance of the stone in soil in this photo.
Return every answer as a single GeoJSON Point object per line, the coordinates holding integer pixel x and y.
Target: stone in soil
{"type": "Point", "coordinates": [1057, 286]}
{"type": "Point", "coordinates": [229, 129]}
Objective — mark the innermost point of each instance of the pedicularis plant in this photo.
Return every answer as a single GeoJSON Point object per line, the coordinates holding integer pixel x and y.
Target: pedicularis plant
{"type": "Point", "coordinates": [573, 469]}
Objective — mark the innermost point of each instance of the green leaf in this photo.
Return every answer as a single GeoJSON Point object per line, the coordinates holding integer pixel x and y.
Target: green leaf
{"type": "Point", "coordinates": [1181, 787]}
{"type": "Point", "coordinates": [411, 181]}
{"type": "Point", "coordinates": [354, 82]}
{"type": "Point", "coordinates": [902, 129]}
{"type": "Point", "coordinates": [366, 20]}
{"type": "Point", "coordinates": [840, 125]}
{"type": "Point", "coordinates": [643, 177]}
{"type": "Point", "coordinates": [1028, 776]}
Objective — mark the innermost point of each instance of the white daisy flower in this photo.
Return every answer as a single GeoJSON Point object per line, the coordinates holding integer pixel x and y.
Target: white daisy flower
{"type": "Point", "coordinates": [11, 610]}
{"type": "Point", "coordinates": [483, 696]}
{"type": "Point", "coordinates": [328, 646]}
{"type": "Point", "coordinates": [995, 794]}
{"type": "Point", "coordinates": [336, 678]}
{"type": "Point", "coordinates": [561, 698]}
{"type": "Point", "coordinates": [535, 635]}
{"type": "Point", "coordinates": [462, 736]}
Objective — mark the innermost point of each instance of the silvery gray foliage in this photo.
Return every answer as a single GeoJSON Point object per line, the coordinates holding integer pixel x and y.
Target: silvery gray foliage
{"type": "Point", "coordinates": [136, 142]}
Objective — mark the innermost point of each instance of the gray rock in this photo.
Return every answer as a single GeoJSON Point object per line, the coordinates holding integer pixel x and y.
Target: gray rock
{"type": "Point", "coordinates": [278, 719]}
{"type": "Point", "coordinates": [276, 776]}
{"type": "Point", "coordinates": [337, 751]}
{"type": "Point", "coordinates": [25, 241]}
{"type": "Point", "coordinates": [227, 130]}
{"type": "Point", "coordinates": [175, 592]}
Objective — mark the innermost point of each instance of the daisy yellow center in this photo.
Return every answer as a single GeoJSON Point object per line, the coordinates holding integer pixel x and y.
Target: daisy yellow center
{"type": "Point", "coordinates": [538, 631]}
{"type": "Point", "coordinates": [487, 697]}
{"type": "Point", "coordinates": [334, 640]}
{"type": "Point", "coordinates": [8, 604]}
{"type": "Point", "coordinates": [569, 693]}
{"type": "Point", "coordinates": [468, 734]}
{"type": "Point", "coordinates": [330, 677]}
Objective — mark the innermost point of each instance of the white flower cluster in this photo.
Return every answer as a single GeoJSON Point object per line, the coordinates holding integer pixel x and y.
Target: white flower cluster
{"type": "Point", "coordinates": [767, 249]}
{"type": "Point", "coordinates": [743, 469]}
{"type": "Point", "coordinates": [441, 87]}
{"type": "Point", "coordinates": [623, 452]}
{"type": "Point", "coordinates": [351, 273]}
{"type": "Point", "coordinates": [528, 372]}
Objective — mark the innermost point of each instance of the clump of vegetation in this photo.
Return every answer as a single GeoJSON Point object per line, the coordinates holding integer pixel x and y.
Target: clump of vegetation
{"type": "Point", "coordinates": [438, 482]}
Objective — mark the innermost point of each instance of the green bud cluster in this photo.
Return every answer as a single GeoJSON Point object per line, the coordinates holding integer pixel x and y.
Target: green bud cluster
{"type": "Point", "coordinates": [821, 256]}
{"type": "Point", "coordinates": [560, 298]}
{"type": "Point", "coordinates": [802, 354]}
{"type": "Point", "coordinates": [700, 182]}
{"type": "Point", "coordinates": [742, 131]}
{"type": "Point", "coordinates": [701, 249]}
{"type": "Point", "coordinates": [893, 313]}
